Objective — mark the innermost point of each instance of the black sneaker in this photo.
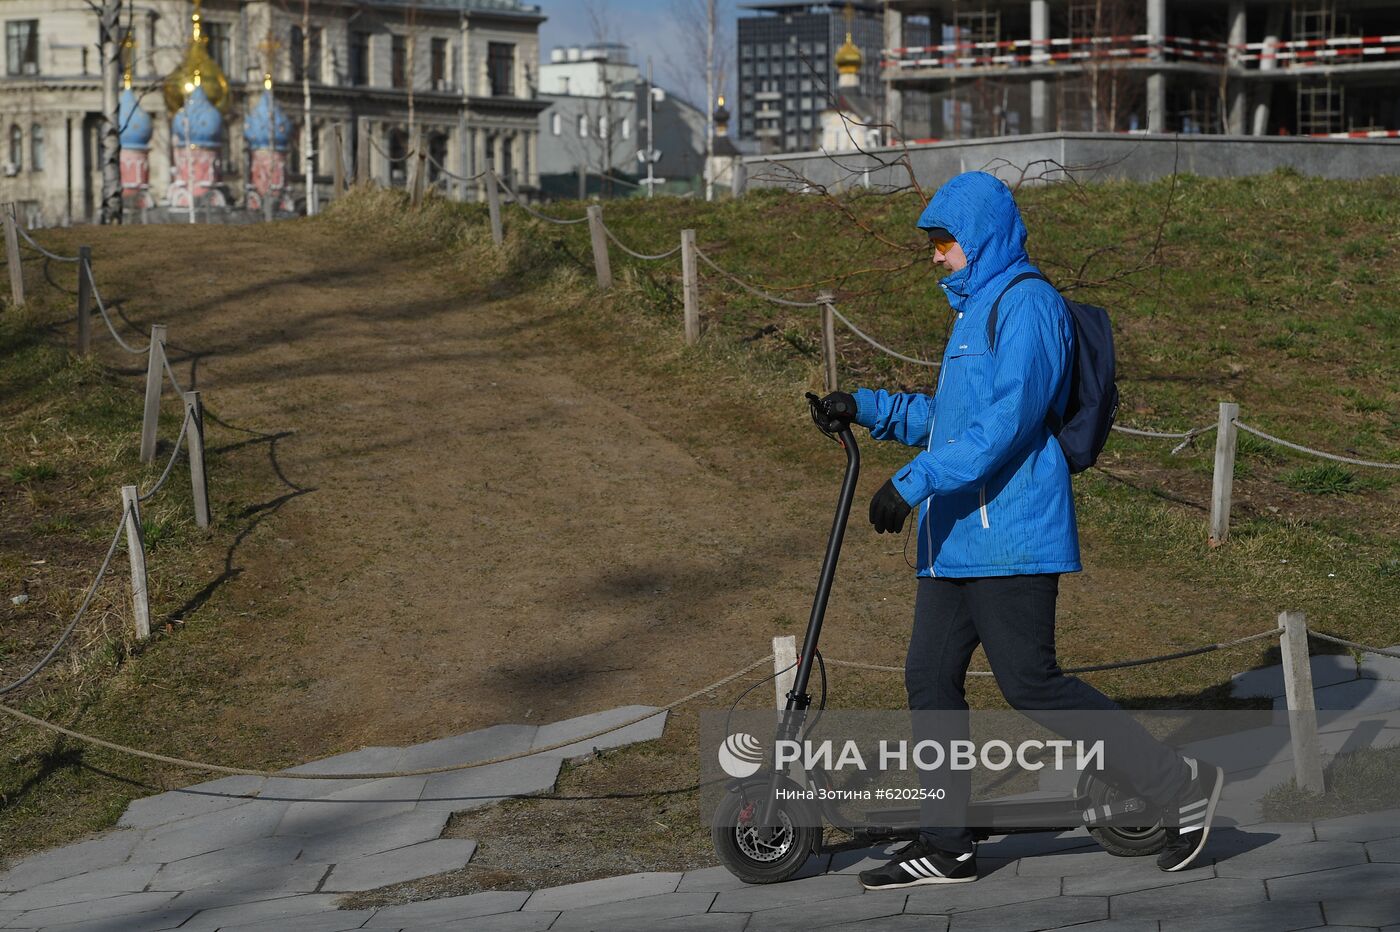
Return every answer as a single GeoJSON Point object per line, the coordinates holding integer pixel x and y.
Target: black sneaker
{"type": "Point", "coordinates": [1188, 821]}
{"type": "Point", "coordinates": [917, 863]}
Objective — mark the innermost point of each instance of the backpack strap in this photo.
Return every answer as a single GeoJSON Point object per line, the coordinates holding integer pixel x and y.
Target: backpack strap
{"type": "Point", "coordinates": [996, 305]}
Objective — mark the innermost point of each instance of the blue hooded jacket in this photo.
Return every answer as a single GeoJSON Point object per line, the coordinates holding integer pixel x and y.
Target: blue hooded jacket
{"type": "Point", "coordinates": [992, 481]}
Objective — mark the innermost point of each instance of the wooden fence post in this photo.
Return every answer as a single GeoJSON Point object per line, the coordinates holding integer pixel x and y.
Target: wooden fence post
{"type": "Point", "coordinates": [1302, 708]}
{"type": "Point", "coordinates": [194, 444]}
{"type": "Point", "coordinates": [362, 153]}
{"type": "Point", "coordinates": [785, 667]}
{"type": "Point", "coordinates": [338, 160]}
{"type": "Point", "coordinates": [691, 286]}
{"type": "Point", "coordinates": [602, 264]}
{"type": "Point", "coordinates": [1223, 485]}
{"type": "Point", "coordinates": [84, 300]}
{"type": "Point", "coordinates": [493, 207]}
{"type": "Point", "coordinates": [827, 299]}
{"type": "Point", "coordinates": [155, 380]}
{"type": "Point", "coordinates": [136, 550]}
{"type": "Point", "coordinates": [12, 256]}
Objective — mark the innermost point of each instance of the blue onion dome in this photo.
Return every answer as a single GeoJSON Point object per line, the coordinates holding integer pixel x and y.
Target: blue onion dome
{"type": "Point", "coordinates": [136, 127]}
{"type": "Point", "coordinates": [267, 127]}
{"type": "Point", "coordinates": [198, 123]}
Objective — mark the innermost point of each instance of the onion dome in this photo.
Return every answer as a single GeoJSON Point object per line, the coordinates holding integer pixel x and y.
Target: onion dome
{"type": "Point", "coordinates": [180, 83]}
{"type": "Point", "coordinates": [721, 118]}
{"type": "Point", "coordinates": [135, 123]}
{"type": "Point", "coordinates": [266, 126]}
{"type": "Point", "coordinates": [198, 123]}
{"type": "Point", "coordinates": [848, 56]}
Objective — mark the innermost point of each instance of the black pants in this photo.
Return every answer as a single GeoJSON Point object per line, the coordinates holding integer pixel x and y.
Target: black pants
{"type": "Point", "coordinates": [1013, 617]}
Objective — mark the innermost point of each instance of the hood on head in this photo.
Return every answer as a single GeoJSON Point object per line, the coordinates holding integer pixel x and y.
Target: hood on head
{"type": "Point", "coordinates": [980, 213]}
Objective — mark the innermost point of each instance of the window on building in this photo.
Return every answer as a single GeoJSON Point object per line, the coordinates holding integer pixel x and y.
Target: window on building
{"type": "Point", "coordinates": [500, 68]}
{"type": "Point", "coordinates": [746, 69]}
{"type": "Point", "coordinates": [439, 64]}
{"type": "Point", "coordinates": [16, 146]}
{"type": "Point", "coordinates": [602, 127]}
{"type": "Point", "coordinates": [583, 125]}
{"type": "Point", "coordinates": [313, 61]}
{"type": "Point", "coordinates": [218, 34]}
{"type": "Point", "coordinates": [762, 69]}
{"type": "Point", "coordinates": [359, 58]}
{"type": "Point", "coordinates": [626, 127]}
{"type": "Point", "coordinates": [22, 47]}
{"type": "Point", "coordinates": [398, 61]}
{"type": "Point", "coordinates": [36, 148]}
{"type": "Point", "coordinates": [746, 52]}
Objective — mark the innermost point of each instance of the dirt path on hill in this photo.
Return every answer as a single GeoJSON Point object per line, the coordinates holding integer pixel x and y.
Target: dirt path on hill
{"type": "Point", "coordinates": [473, 527]}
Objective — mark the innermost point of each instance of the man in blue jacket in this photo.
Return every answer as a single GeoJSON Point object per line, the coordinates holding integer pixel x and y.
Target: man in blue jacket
{"type": "Point", "coordinates": [996, 525]}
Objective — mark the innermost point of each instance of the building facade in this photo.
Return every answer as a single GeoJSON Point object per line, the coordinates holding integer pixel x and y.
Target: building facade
{"type": "Point", "coordinates": [787, 73]}
{"type": "Point", "coordinates": [462, 73]}
{"type": "Point", "coordinates": [597, 123]}
{"type": "Point", "coordinates": [1260, 67]}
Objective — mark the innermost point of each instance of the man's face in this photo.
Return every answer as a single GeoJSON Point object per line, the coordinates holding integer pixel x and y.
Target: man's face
{"type": "Point", "coordinates": [948, 254]}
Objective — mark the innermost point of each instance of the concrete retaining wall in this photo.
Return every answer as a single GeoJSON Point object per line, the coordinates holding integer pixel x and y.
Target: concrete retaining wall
{"type": "Point", "coordinates": [1090, 156]}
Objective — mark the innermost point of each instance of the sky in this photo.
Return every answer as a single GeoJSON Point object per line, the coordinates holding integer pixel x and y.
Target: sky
{"type": "Point", "coordinates": [649, 27]}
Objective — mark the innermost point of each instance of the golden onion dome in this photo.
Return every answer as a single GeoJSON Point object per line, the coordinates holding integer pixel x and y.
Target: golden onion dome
{"type": "Point", "coordinates": [197, 69]}
{"type": "Point", "coordinates": [848, 57]}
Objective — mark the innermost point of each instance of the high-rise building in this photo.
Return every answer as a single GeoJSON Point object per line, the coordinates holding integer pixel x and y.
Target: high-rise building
{"type": "Point", "coordinates": [1261, 67]}
{"type": "Point", "coordinates": [787, 70]}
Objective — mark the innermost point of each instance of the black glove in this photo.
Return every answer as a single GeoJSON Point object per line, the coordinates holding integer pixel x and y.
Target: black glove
{"type": "Point", "coordinates": [888, 509]}
{"type": "Point", "coordinates": [840, 409]}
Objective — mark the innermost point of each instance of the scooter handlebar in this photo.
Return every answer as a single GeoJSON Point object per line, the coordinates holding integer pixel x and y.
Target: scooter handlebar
{"type": "Point", "coordinates": [827, 422]}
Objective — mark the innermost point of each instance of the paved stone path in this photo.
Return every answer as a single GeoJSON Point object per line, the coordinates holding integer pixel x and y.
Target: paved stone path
{"type": "Point", "coordinates": [217, 857]}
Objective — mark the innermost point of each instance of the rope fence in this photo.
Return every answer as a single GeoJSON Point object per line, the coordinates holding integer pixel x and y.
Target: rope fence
{"type": "Point", "coordinates": [170, 465]}
{"type": "Point", "coordinates": [443, 170]}
{"type": "Point", "coordinates": [519, 202]}
{"type": "Point", "coordinates": [638, 255]}
{"type": "Point", "coordinates": [86, 269]}
{"type": "Point", "coordinates": [40, 249]}
{"type": "Point", "coordinates": [752, 289]}
{"type": "Point", "coordinates": [392, 158]}
{"type": "Point", "coordinates": [1372, 464]}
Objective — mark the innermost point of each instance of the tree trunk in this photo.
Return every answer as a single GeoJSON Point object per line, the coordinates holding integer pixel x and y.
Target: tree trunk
{"type": "Point", "coordinates": [308, 149]}
{"type": "Point", "coordinates": [111, 49]}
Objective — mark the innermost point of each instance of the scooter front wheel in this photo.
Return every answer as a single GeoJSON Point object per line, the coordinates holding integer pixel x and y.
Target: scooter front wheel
{"type": "Point", "coordinates": [754, 855]}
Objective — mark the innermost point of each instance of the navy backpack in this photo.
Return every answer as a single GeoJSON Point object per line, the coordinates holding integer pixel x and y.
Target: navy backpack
{"type": "Point", "coordinates": [1093, 394]}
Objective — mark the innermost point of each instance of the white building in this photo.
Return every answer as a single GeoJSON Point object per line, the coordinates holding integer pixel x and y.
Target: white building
{"type": "Point", "coordinates": [464, 69]}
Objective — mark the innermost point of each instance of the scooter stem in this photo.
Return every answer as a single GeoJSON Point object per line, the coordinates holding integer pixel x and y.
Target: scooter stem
{"type": "Point", "coordinates": [833, 553]}
{"type": "Point", "coordinates": [798, 700]}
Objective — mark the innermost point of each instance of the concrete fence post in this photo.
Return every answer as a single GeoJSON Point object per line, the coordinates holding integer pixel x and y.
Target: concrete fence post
{"type": "Point", "coordinates": [362, 154]}
{"type": "Point", "coordinates": [136, 550]}
{"type": "Point", "coordinates": [12, 256]}
{"type": "Point", "coordinates": [828, 300]}
{"type": "Point", "coordinates": [739, 178]}
{"type": "Point", "coordinates": [784, 667]}
{"type": "Point", "coordinates": [493, 208]}
{"type": "Point", "coordinates": [155, 380]}
{"type": "Point", "coordinates": [1223, 484]}
{"type": "Point", "coordinates": [691, 286]}
{"type": "Point", "coordinates": [84, 300]}
{"type": "Point", "coordinates": [602, 264]}
{"type": "Point", "coordinates": [1302, 708]}
{"type": "Point", "coordinates": [194, 445]}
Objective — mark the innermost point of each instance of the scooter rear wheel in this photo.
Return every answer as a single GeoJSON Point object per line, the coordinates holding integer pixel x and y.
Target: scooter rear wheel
{"type": "Point", "coordinates": [747, 854]}
{"type": "Point", "coordinates": [1123, 841]}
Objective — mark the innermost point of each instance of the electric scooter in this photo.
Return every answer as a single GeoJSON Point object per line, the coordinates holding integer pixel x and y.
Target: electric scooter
{"type": "Point", "coordinates": [764, 836]}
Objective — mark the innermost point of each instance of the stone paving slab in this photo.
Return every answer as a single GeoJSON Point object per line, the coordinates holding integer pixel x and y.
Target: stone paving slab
{"type": "Point", "coordinates": [1188, 899]}
{"type": "Point", "coordinates": [186, 838]}
{"type": "Point", "coordinates": [607, 890]}
{"type": "Point", "coordinates": [1276, 860]}
{"type": "Point", "coordinates": [214, 866]}
{"type": "Point", "coordinates": [496, 741]}
{"type": "Point", "coordinates": [706, 922]}
{"type": "Point", "coordinates": [158, 920]}
{"type": "Point", "coordinates": [125, 905]}
{"type": "Point", "coordinates": [1031, 916]}
{"type": "Point", "coordinates": [364, 802]}
{"type": "Point", "coordinates": [646, 909]}
{"type": "Point", "coordinates": [397, 831]}
{"type": "Point", "coordinates": [95, 885]}
{"type": "Point", "coordinates": [337, 921]}
{"type": "Point", "coordinates": [985, 892]}
{"type": "Point", "coordinates": [1255, 917]}
{"type": "Point", "coordinates": [471, 789]}
{"type": "Point", "coordinates": [287, 909]}
{"type": "Point", "coordinates": [796, 893]}
{"type": "Point", "coordinates": [646, 730]}
{"type": "Point", "coordinates": [1380, 905]}
{"type": "Point", "coordinates": [1372, 695]}
{"type": "Point", "coordinates": [1268, 681]}
{"type": "Point", "coordinates": [895, 924]}
{"type": "Point", "coordinates": [401, 864]}
{"type": "Point", "coordinates": [190, 801]}
{"type": "Point", "coordinates": [78, 858]}
{"type": "Point", "coordinates": [829, 913]}
{"type": "Point", "coordinates": [450, 908]}
{"type": "Point", "coordinates": [1368, 826]}
{"type": "Point", "coordinates": [1379, 666]}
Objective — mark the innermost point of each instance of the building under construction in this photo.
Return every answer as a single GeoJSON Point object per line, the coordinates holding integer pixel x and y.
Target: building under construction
{"type": "Point", "coordinates": [996, 67]}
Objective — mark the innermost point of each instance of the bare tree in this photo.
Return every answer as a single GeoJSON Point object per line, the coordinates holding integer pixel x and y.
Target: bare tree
{"type": "Point", "coordinates": [705, 52]}
{"type": "Point", "coordinates": [109, 17]}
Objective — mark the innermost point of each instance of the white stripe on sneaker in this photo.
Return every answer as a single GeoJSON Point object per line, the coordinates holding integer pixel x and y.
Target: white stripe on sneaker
{"type": "Point", "coordinates": [964, 857]}
{"type": "Point", "coordinates": [1198, 804]}
{"type": "Point", "coordinates": [912, 870]}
